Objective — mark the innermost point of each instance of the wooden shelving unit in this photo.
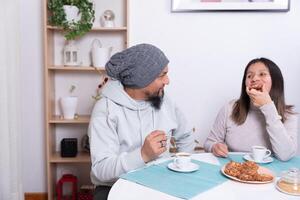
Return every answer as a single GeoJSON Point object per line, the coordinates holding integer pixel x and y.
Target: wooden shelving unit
{"type": "Point", "coordinates": [57, 76]}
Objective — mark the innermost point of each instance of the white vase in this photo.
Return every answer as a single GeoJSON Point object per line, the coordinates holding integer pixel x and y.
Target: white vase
{"type": "Point", "coordinates": [72, 13]}
{"type": "Point", "coordinates": [100, 55]}
{"type": "Point", "coordinates": [69, 106]}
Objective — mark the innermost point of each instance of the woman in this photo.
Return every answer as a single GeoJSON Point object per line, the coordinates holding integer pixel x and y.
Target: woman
{"type": "Point", "coordinates": [259, 117]}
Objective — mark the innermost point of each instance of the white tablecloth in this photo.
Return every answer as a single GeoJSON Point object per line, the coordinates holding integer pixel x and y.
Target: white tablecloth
{"type": "Point", "coordinates": [127, 190]}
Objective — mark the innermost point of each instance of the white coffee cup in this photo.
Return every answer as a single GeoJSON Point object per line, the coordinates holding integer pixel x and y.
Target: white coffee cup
{"type": "Point", "coordinates": [182, 160]}
{"type": "Point", "coordinates": [259, 153]}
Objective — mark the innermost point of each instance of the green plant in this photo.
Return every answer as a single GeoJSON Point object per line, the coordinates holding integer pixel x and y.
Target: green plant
{"type": "Point", "coordinates": [72, 29]}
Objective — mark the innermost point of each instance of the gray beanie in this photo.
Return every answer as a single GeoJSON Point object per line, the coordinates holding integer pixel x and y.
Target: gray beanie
{"type": "Point", "coordinates": [137, 66]}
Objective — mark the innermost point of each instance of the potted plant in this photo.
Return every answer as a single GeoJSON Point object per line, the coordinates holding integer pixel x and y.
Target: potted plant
{"type": "Point", "coordinates": [69, 105]}
{"type": "Point", "coordinates": [75, 17]}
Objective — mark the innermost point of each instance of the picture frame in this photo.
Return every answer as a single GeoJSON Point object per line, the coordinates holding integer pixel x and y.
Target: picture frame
{"type": "Point", "coordinates": [230, 5]}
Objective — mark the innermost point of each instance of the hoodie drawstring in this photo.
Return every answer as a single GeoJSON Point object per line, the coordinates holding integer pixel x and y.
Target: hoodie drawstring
{"type": "Point", "coordinates": [141, 123]}
{"type": "Point", "coordinates": [153, 119]}
{"type": "Point", "coordinates": [141, 131]}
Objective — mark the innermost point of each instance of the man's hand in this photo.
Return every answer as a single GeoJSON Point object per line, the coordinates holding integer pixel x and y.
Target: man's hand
{"type": "Point", "coordinates": [220, 150]}
{"type": "Point", "coordinates": [154, 145]}
{"type": "Point", "coordinates": [259, 97]}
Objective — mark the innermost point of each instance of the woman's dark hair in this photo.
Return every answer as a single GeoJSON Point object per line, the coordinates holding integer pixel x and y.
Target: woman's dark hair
{"type": "Point", "coordinates": [242, 105]}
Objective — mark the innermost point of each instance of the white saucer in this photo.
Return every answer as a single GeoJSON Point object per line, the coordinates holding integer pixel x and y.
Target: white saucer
{"type": "Point", "coordinates": [191, 168]}
{"type": "Point", "coordinates": [266, 160]}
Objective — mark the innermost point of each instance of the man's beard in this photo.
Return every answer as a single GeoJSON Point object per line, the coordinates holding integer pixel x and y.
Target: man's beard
{"type": "Point", "coordinates": [156, 99]}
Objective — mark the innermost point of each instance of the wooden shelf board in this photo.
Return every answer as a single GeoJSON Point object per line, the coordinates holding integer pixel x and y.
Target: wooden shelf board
{"type": "Point", "coordinates": [110, 29]}
{"type": "Point", "coordinates": [75, 68]}
{"type": "Point", "coordinates": [82, 157]}
{"type": "Point", "coordinates": [82, 119]}
{"type": "Point", "coordinates": [94, 29]}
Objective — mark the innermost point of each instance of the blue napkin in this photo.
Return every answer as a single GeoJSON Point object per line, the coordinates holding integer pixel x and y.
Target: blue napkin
{"type": "Point", "coordinates": [276, 166]}
{"type": "Point", "coordinates": [182, 185]}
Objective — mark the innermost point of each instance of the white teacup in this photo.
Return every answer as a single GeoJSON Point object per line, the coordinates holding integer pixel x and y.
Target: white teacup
{"type": "Point", "coordinates": [182, 160]}
{"type": "Point", "coordinates": [259, 153]}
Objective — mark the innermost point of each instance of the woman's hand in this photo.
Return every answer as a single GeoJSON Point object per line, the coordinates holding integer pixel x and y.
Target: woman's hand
{"type": "Point", "coordinates": [220, 150]}
{"type": "Point", "coordinates": [259, 97]}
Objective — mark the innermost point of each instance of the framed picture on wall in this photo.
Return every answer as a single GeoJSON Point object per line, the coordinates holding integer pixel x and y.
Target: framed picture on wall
{"type": "Point", "coordinates": [230, 5]}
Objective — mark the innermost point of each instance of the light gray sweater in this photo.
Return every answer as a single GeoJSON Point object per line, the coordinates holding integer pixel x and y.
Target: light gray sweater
{"type": "Point", "coordinates": [119, 126]}
{"type": "Point", "coordinates": [263, 126]}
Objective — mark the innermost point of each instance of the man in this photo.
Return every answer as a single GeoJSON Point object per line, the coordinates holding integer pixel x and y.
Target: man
{"type": "Point", "coordinates": [132, 123]}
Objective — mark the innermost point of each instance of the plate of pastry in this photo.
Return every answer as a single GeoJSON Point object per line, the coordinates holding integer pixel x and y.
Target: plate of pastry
{"type": "Point", "coordinates": [247, 172]}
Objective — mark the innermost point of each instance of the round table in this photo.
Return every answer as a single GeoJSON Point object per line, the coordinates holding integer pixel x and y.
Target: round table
{"type": "Point", "coordinates": [127, 190]}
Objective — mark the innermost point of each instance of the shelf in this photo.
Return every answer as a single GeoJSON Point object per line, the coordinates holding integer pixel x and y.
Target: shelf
{"type": "Point", "coordinates": [75, 68]}
{"type": "Point", "coordinates": [82, 119]}
{"type": "Point", "coordinates": [99, 29]}
{"type": "Point", "coordinates": [59, 76]}
{"type": "Point", "coordinates": [82, 157]}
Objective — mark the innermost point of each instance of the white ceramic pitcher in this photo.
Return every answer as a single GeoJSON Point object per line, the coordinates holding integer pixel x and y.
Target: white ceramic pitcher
{"type": "Point", "coordinates": [100, 55]}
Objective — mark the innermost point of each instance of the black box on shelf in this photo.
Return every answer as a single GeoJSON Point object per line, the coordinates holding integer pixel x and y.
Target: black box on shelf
{"type": "Point", "coordinates": [68, 147]}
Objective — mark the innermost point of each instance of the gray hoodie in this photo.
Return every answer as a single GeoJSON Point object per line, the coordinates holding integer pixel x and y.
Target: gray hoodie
{"type": "Point", "coordinates": [119, 126]}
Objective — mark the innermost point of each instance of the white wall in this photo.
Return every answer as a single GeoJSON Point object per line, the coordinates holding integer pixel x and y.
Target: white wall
{"type": "Point", "coordinates": [208, 52]}
{"type": "Point", "coordinates": [33, 134]}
